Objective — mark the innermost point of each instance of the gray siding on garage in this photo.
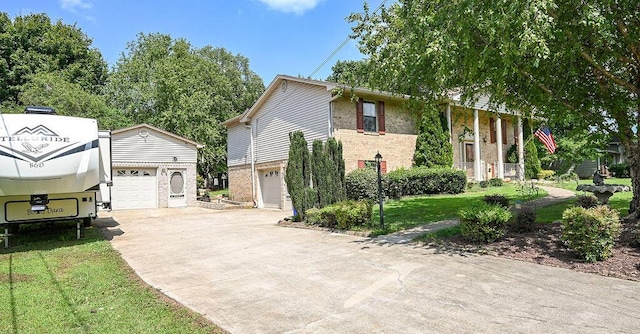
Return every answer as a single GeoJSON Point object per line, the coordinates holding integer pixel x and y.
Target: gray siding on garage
{"type": "Point", "coordinates": [131, 147]}
{"type": "Point", "coordinates": [302, 107]}
{"type": "Point", "coordinates": [238, 149]}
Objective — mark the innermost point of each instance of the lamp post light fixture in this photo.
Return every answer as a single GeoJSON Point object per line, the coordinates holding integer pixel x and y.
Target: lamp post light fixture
{"type": "Point", "coordinates": [378, 158]}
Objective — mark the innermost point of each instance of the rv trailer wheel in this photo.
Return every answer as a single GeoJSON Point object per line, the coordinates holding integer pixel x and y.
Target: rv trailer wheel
{"type": "Point", "coordinates": [86, 222]}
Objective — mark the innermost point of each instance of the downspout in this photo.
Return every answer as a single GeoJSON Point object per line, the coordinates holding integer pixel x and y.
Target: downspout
{"type": "Point", "coordinates": [253, 166]}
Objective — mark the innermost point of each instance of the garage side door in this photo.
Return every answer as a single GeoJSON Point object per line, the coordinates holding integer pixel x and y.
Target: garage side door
{"type": "Point", "coordinates": [134, 188]}
{"type": "Point", "coordinates": [270, 187]}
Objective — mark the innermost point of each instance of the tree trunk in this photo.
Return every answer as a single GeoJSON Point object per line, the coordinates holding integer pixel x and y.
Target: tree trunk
{"type": "Point", "coordinates": [634, 168]}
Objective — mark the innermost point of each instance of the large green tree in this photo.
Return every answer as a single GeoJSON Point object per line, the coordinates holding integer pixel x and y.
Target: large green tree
{"type": "Point", "coordinates": [350, 72]}
{"type": "Point", "coordinates": [170, 84]}
{"type": "Point", "coordinates": [70, 99]}
{"type": "Point", "coordinates": [32, 44]}
{"type": "Point", "coordinates": [560, 60]}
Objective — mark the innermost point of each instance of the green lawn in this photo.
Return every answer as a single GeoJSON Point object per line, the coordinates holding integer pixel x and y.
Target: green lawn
{"type": "Point", "coordinates": [414, 211]}
{"type": "Point", "coordinates": [52, 283]}
{"type": "Point", "coordinates": [215, 193]}
{"type": "Point", "coordinates": [619, 201]}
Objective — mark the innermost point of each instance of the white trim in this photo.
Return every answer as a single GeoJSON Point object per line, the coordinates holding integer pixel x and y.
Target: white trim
{"type": "Point", "coordinates": [477, 166]}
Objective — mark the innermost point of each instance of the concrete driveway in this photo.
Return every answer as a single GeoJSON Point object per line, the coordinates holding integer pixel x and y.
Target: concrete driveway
{"type": "Point", "coordinates": [249, 276]}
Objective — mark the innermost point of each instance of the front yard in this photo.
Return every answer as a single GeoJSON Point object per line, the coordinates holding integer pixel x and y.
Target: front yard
{"type": "Point", "coordinates": [52, 283]}
{"type": "Point", "coordinates": [410, 212]}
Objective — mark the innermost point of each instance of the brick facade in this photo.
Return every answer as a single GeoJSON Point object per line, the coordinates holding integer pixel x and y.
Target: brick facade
{"type": "Point", "coordinates": [396, 146]}
{"type": "Point", "coordinates": [240, 183]}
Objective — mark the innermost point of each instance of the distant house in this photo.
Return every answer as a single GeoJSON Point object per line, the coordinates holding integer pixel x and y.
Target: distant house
{"type": "Point", "coordinates": [152, 168]}
{"type": "Point", "coordinates": [614, 154]}
{"type": "Point", "coordinates": [366, 122]}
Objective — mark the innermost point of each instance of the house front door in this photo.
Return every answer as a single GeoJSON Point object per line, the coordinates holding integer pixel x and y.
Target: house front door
{"type": "Point", "coordinates": [469, 159]}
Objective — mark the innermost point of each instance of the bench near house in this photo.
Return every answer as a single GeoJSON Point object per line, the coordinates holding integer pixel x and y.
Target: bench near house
{"type": "Point", "coordinates": [366, 122]}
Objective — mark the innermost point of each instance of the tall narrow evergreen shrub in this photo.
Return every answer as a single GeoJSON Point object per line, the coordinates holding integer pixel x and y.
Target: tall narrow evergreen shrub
{"type": "Point", "coordinates": [321, 171]}
{"type": "Point", "coordinates": [433, 148]}
{"type": "Point", "coordinates": [532, 164]}
{"type": "Point", "coordinates": [336, 171]}
{"type": "Point", "coordinates": [298, 175]}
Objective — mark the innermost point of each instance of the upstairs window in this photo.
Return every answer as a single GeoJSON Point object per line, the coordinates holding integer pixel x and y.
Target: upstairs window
{"type": "Point", "coordinates": [370, 116]}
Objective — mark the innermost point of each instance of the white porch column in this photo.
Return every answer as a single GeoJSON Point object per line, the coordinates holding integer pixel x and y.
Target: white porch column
{"type": "Point", "coordinates": [448, 113]}
{"type": "Point", "coordinates": [477, 166]}
{"type": "Point", "coordinates": [499, 139]}
{"type": "Point", "coordinates": [520, 149]}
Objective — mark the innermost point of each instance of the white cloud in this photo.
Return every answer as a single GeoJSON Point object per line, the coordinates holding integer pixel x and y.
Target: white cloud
{"type": "Point", "coordinates": [74, 5]}
{"type": "Point", "coordinates": [290, 6]}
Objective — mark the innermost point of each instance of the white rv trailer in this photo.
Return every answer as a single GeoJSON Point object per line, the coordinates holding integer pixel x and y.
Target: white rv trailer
{"type": "Point", "coordinates": [52, 168]}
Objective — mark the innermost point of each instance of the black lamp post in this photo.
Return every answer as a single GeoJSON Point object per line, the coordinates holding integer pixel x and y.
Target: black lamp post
{"type": "Point", "coordinates": [380, 200]}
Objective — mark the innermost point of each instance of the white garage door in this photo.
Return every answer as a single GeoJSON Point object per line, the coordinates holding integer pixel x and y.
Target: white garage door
{"type": "Point", "coordinates": [270, 186]}
{"type": "Point", "coordinates": [134, 188]}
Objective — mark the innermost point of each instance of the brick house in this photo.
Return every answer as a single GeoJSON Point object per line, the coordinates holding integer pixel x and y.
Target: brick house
{"type": "Point", "coordinates": [365, 121]}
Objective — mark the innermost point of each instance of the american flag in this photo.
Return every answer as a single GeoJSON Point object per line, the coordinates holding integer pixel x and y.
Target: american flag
{"type": "Point", "coordinates": [545, 136]}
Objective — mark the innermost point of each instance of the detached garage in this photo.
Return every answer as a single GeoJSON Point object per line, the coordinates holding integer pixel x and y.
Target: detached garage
{"type": "Point", "coordinates": [152, 168]}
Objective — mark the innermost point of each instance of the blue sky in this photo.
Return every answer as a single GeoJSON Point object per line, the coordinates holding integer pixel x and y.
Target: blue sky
{"type": "Point", "coordinates": [277, 36]}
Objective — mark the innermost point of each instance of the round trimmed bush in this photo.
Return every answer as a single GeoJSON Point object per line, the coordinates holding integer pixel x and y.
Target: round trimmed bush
{"type": "Point", "coordinates": [484, 223]}
{"type": "Point", "coordinates": [591, 233]}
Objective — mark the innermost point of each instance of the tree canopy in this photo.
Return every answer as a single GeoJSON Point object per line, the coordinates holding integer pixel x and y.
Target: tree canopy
{"type": "Point", "coordinates": [32, 44]}
{"type": "Point", "coordinates": [558, 60]}
{"type": "Point", "coordinates": [170, 84]}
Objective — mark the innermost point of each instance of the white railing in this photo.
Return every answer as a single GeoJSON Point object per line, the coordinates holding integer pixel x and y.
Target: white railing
{"type": "Point", "coordinates": [468, 167]}
{"type": "Point", "coordinates": [511, 170]}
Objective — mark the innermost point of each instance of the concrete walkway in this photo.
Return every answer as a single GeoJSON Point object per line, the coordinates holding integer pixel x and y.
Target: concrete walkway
{"type": "Point", "coordinates": [554, 196]}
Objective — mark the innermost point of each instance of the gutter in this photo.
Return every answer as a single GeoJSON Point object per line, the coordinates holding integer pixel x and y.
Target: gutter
{"type": "Point", "coordinates": [253, 166]}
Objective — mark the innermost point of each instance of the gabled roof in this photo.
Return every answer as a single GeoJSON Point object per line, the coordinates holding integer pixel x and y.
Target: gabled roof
{"type": "Point", "coordinates": [150, 127]}
{"type": "Point", "coordinates": [329, 86]}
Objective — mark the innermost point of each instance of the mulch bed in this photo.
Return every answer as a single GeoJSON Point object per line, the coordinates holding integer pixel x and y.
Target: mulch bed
{"type": "Point", "coordinates": [544, 246]}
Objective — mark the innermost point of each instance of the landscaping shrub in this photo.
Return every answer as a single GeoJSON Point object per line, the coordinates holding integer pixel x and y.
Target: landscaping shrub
{"type": "Point", "coordinates": [496, 182]}
{"type": "Point", "coordinates": [546, 174]}
{"type": "Point", "coordinates": [531, 161]}
{"type": "Point", "coordinates": [485, 223]}
{"type": "Point", "coordinates": [496, 200]}
{"type": "Point", "coordinates": [424, 181]}
{"type": "Point", "coordinates": [484, 184]}
{"type": "Point", "coordinates": [362, 184]}
{"type": "Point", "coordinates": [342, 215]}
{"type": "Point", "coordinates": [586, 201]}
{"type": "Point", "coordinates": [433, 148]}
{"type": "Point", "coordinates": [591, 233]}
{"type": "Point", "coordinates": [313, 216]}
{"type": "Point", "coordinates": [525, 219]}
{"type": "Point", "coordinates": [298, 175]}
{"type": "Point", "coordinates": [620, 170]}
{"type": "Point", "coordinates": [570, 176]}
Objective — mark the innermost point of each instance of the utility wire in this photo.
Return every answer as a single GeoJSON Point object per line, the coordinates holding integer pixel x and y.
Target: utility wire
{"type": "Point", "coordinates": [339, 47]}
